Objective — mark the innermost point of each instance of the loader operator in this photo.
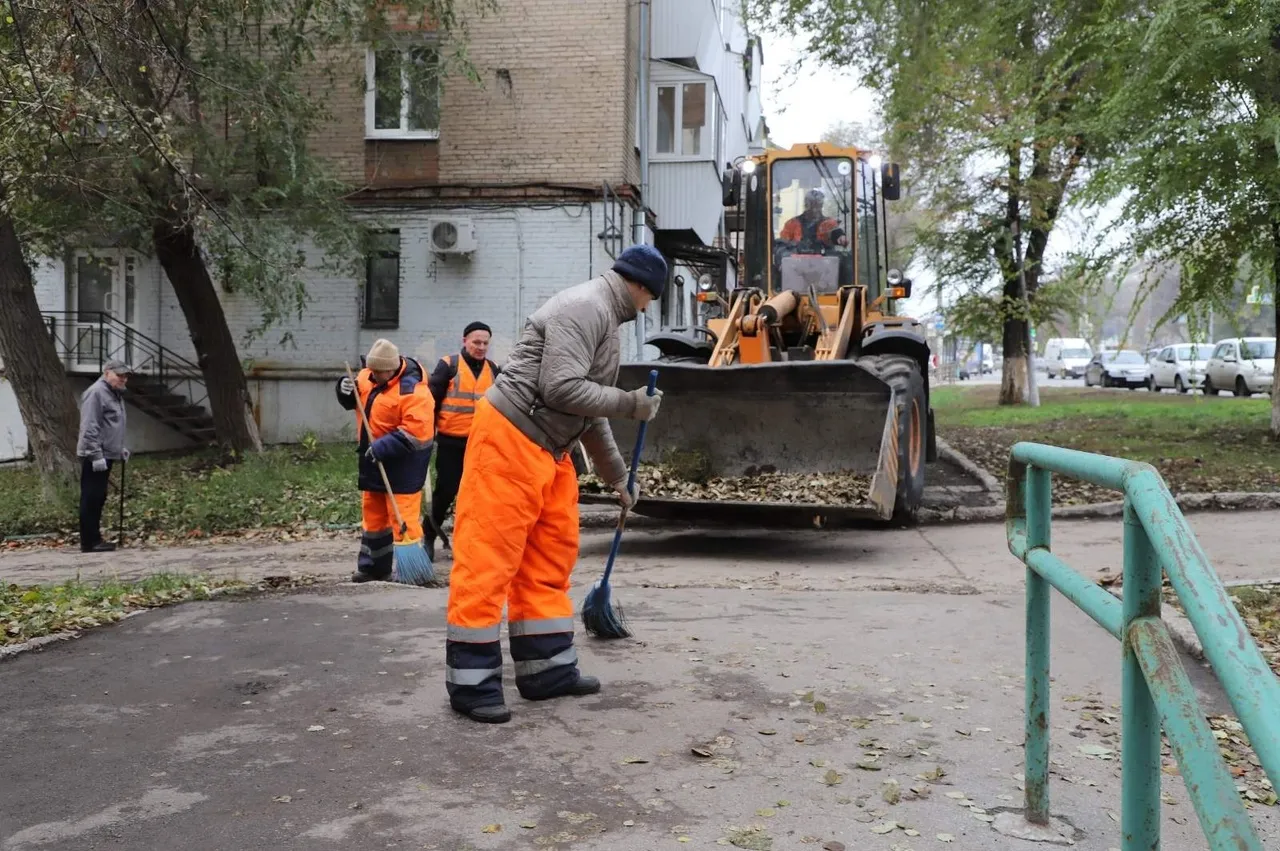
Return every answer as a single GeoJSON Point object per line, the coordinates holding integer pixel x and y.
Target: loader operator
{"type": "Point", "coordinates": [811, 232]}
{"type": "Point", "coordinates": [516, 529]}
{"type": "Point", "coordinates": [457, 384]}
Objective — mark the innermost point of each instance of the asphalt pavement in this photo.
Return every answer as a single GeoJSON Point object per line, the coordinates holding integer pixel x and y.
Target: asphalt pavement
{"type": "Point", "coordinates": [779, 687]}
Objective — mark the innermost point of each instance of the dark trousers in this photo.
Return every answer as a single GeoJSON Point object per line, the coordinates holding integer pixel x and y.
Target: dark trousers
{"type": "Point", "coordinates": [93, 496]}
{"type": "Point", "coordinates": [449, 454]}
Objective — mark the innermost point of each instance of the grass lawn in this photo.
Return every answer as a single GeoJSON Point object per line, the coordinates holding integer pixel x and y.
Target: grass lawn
{"type": "Point", "coordinates": [190, 496]}
{"type": "Point", "coordinates": [32, 611]}
{"type": "Point", "coordinates": [1198, 444]}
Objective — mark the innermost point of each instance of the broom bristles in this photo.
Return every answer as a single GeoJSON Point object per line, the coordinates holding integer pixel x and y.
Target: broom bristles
{"type": "Point", "coordinates": [413, 565]}
{"type": "Point", "coordinates": [600, 616]}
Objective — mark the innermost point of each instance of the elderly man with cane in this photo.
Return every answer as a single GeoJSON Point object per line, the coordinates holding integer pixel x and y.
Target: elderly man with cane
{"type": "Point", "coordinates": [99, 446]}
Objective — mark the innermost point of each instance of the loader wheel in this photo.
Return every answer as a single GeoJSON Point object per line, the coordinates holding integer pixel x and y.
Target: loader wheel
{"type": "Point", "coordinates": [903, 375]}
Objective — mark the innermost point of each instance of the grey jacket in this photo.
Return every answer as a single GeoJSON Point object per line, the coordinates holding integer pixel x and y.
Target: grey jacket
{"type": "Point", "coordinates": [557, 386]}
{"type": "Point", "coordinates": [102, 417]}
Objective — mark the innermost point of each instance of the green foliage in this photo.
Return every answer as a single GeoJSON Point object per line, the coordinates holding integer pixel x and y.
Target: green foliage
{"type": "Point", "coordinates": [995, 107]}
{"type": "Point", "coordinates": [32, 611]}
{"type": "Point", "coordinates": [281, 488]}
{"type": "Point", "coordinates": [115, 118]}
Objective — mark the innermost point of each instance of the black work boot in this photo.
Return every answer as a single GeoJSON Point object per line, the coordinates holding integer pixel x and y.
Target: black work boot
{"type": "Point", "coordinates": [361, 576]}
{"type": "Point", "coordinates": [496, 713]}
{"type": "Point", "coordinates": [578, 688]}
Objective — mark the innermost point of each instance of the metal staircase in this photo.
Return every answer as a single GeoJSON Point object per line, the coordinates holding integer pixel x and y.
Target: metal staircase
{"type": "Point", "coordinates": [164, 384]}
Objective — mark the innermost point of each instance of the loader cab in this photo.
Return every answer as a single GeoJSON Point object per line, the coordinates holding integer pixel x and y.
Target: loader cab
{"type": "Point", "coordinates": [813, 219]}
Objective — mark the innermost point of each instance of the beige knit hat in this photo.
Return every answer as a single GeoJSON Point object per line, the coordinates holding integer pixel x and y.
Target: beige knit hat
{"type": "Point", "coordinates": [383, 355]}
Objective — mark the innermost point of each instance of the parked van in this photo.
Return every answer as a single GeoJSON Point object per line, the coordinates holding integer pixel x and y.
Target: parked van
{"type": "Point", "coordinates": [1067, 356]}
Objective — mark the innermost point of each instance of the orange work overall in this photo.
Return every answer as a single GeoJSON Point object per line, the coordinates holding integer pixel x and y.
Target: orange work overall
{"type": "Point", "coordinates": [515, 543]}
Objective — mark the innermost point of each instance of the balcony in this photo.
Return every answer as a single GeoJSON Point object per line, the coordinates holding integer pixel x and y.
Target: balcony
{"type": "Point", "coordinates": [687, 198]}
{"type": "Point", "coordinates": [688, 32]}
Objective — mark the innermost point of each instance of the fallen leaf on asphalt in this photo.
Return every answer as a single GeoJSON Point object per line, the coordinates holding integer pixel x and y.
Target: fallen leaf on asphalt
{"type": "Point", "coordinates": [959, 796]}
{"type": "Point", "coordinates": [818, 763]}
{"type": "Point", "coordinates": [946, 837]}
{"type": "Point", "coordinates": [751, 838]}
{"type": "Point", "coordinates": [891, 792]}
{"type": "Point", "coordinates": [984, 817]}
{"type": "Point", "coordinates": [869, 764]}
{"type": "Point", "coordinates": [530, 825]}
{"type": "Point", "coordinates": [491, 828]}
{"type": "Point", "coordinates": [833, 846]}
{"type": "Point", "coordinates": [315, 728]}
{"type": "Point", "coordinates": [819, 707]}
{"type": "Point", "coordinates": [832, 777]}
{"type": "Point", "coordinates": [702, 751]}
{"type": "Point", "coordinates": [766, 812]}
{"type": "Point", "coordinates": [628, 823]}
{"type": "Point", "coordinates": [783, 803]}
{"type": "Point", "coordinates": [1097, 751]}
{"type": "Point", "coordinates": [633, 760]}
{"type": "Point", "coordinates": [884, 827]}
{"type": "Point", "coordinates": [282, 799]}
{"type": "Point", "coordinates": [911, 832]}
{"type": "Point", "coordinates": [934, 774]}
{"type": "Point", "coordinates": [767, 732]}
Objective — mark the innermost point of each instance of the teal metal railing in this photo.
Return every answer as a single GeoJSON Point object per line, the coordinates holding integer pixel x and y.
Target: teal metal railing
{"type": "Point", "coordinates": [1155, 691]}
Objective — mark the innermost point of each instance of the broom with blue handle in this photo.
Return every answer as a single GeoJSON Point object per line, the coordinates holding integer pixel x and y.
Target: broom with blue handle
{"type": "Point", "coordinates": [412, 564]}
{"type": "Point", "coordinates": [600, 617]}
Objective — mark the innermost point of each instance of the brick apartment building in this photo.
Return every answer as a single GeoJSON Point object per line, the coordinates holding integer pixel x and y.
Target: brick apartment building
{"type": "Point", "coordinates": [486, 199]}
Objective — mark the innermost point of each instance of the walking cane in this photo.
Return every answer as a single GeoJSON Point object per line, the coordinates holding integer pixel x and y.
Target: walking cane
{"type": "Point", "coordinates": [120, 526]}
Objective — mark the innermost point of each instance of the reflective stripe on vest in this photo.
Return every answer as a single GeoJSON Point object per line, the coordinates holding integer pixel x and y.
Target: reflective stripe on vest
{"type": "Point", "coordinates": [459, 405]}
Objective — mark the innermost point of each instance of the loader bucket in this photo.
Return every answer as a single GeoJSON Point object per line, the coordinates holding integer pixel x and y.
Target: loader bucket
{"type": "Point", "coordinates": [798, 417]}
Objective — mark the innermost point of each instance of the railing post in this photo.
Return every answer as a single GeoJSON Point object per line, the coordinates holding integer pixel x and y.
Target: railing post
{"type": "Point", "coordinates": [1139, 724]}
{"type": "Point", "coordinates": [1036, 745]}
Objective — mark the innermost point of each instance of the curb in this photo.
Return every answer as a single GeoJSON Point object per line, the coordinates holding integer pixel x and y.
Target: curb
{"type": "Point", "coordinates": [1190, 502]}
{"type": "Point", "coordinates": [949, 453]}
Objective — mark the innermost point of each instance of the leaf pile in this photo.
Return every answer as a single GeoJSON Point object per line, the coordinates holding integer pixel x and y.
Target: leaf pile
{"type": "Point", "coordinates": [32, 611]}
{"type": "Point", "coordinates": [665, 480]}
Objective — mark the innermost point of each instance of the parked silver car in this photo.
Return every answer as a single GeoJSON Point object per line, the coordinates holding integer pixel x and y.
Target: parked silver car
{"type": "Point", "coordinates": [1123, 368]}
{"type": "Point", "coordinates": [1180, 366]}
{"type": "Point", "coordinates": [1243, 365]}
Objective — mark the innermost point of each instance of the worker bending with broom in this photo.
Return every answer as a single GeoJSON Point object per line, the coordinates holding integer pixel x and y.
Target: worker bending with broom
{"type": "Point", "coordinates": [394, 400]}
{"type": "Point", "coordinates": [516, 524]}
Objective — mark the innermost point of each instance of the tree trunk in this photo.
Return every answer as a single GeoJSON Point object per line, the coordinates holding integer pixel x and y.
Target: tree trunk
{"type": "Point", "coordinates": [229, 400]}
{"type": "Point", "coordinates": [1275, 307]}
{"type": "Point", "coordinates": [31, 364]}
{"type": "Point", "coordinates": [1017, 360]}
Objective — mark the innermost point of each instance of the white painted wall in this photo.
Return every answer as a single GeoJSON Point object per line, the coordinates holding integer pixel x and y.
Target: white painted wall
{"type": "Point", "coordinates": [13, 434]}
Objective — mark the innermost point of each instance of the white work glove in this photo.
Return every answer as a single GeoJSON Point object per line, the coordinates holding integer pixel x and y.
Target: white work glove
{"type": "Point", "coordinates": [348, 387]}
{"type": "Point", "coordinates": [646, 405]}
{"type": "Point", "coordinates": [100, 465]}
{"type": "Point", "coordinates": [628, 498]}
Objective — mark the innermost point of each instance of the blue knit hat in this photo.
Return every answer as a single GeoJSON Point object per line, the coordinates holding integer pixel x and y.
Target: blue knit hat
{"type": "Point", "coordinates": [645, 265]}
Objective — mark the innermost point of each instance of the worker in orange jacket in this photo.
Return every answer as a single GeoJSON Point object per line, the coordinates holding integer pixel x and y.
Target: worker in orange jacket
{"type": "Point", "coordinates": [515, 538]}
{"type": "Point", "coordinates": [812, 231]}
{"type": "Point", "coordinates": [458, 382]}
{"type": "Point", "coordinates": [393, 394]}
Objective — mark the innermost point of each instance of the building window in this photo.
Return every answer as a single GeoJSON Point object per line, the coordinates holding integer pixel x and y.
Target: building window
{"type": "Point", "coordinates": [402, 93]}
{"type": "Point", "coordinates": [680, 123]}
{"type": "Point", "coordinates": [382, 280]}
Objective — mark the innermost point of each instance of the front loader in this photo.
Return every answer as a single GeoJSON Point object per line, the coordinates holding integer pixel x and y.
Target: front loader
{"type": "Point", "coordinates": [807, 369]}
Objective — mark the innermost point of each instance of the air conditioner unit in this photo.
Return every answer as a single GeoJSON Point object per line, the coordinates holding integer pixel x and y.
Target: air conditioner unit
{"type": "Point", "coordinates": [449, 235]}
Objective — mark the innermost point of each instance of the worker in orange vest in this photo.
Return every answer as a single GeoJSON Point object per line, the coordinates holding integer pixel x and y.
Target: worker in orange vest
{"type": "Point", "coordinates": [456, 391]}
{"type": "Point", "coordinates": [401, 417]}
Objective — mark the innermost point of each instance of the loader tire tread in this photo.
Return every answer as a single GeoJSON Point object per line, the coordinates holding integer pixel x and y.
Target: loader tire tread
{"type": "Point", "coordinates": [902, 373]}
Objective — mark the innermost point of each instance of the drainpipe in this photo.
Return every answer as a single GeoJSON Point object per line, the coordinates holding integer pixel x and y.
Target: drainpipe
{"type": "Point", "coordinates": [638, 235]}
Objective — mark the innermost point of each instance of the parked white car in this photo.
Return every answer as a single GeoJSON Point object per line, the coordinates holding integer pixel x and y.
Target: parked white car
{"type": "Point", "coordinates": [1180, 366]}
{"type": "Point", "coordinates": [1243, 365]}
{"type": "Point", "coordinates": [1123, 368]}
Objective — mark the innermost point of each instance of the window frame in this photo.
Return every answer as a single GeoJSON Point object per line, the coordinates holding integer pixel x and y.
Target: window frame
{"type": "Point", "coordinates": [710, 121]}
{"type": "Point", "coordinates": [373, 252]}
{"type": "Point", "coordinates": [371, 130]}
